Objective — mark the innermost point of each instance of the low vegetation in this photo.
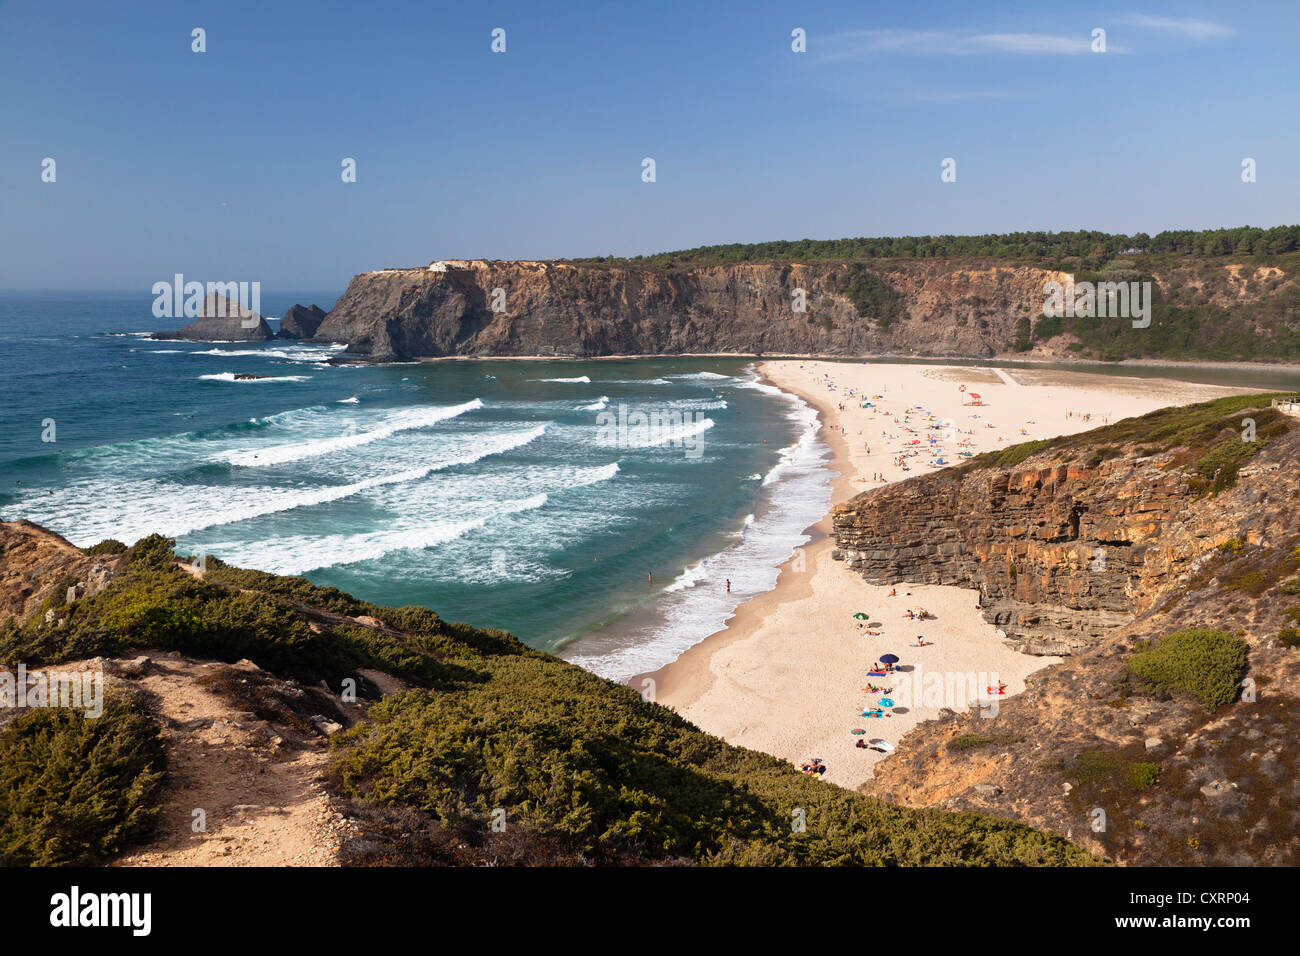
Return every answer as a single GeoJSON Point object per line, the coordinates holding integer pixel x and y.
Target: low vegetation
{"type": "Point", "coordinates": [1088, 248]}
{"type": "Point", "coordinates": [1207, 663]}
{"type": "Point", "coordinates": [1206, 439]}
{"type": "Point", "coordinates": [77, 790]}
{"type": "Point", "coordinates": [581, 769]}
{"type": "Point", "coordinates": [970, 741]}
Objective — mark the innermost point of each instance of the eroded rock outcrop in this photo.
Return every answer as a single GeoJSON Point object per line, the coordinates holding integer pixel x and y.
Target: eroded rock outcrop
{"type": "Point", "coordinates": [301, 322]}
{"type": "Point", "coordinates": [1147, 777]}
{"type": "Point", "coordinates": [1061, 552]}
{"type": "Point", "coordinates": [222, 319]}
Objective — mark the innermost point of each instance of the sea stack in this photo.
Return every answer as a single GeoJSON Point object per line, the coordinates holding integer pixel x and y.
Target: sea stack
{"type": "Point", "coordinates": [223, 320]}
{"type": "Point", "coordinates": [301, 322]}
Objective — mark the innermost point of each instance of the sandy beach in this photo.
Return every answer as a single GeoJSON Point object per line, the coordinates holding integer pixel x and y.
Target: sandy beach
{"type": "Point", "coordinates": [789, 674]}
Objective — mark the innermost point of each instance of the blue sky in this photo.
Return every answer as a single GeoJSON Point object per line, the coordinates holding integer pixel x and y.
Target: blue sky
{"type": "Point", "coordinates": [225, 165]}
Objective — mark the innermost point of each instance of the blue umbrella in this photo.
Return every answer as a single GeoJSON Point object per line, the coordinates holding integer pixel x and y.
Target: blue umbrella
{"type": "Point", "coordinates": [886, 702]}
{"type": "Point", "coordinates": [889, 658]}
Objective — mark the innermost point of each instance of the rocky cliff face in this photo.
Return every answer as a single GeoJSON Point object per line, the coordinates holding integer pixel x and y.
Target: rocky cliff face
{"type": "Point", "coordinates": [1060, 552]}
{"type": "Point", "coordinates": [547, 308]}
{"type": "Point", "coordinates": [1089, 560]}
{"type": "Point", "coordinates": [926, 307]}
{"type": "Point", "coordinates": [38, 566]}
{"type": "Point", "coordinates": [301, 322]}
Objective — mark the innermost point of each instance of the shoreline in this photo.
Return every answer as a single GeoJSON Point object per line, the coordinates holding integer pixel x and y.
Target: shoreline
{"type": "Point", "coordinates": [788, 585]}
{"type": "Point", "coordinates": [779, 677]}
{"type": "Point", "coordinates": [882, 358]}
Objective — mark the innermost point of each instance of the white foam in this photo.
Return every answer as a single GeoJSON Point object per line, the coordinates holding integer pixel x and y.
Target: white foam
{"type": "Point", "coordinates": [293, 353]}
{"type": "Point", "coordinates": [795, 495]}
{"type": "Point", "coordinates": [297, 555]}
{"type": "Point", "coordinates": [691, 576]}
{"type": "Point", "coordinates": [132, 511]}
{"type": "Point", "coordinates": [580, 380]}
{"type": "Point", "coordinates": [397, 422]}
{"type": "Point", "coordinates": [230, 377]}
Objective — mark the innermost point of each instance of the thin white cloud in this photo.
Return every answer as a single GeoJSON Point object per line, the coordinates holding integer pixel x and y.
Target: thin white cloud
{"type": "Point", "coordinates": [1193, 29]}
{"type": "Point", "coordinates": [856, 44]}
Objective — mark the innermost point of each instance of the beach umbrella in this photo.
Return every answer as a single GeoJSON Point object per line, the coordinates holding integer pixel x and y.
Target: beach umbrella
{"type": "Point", "coordinates": [886, 702]}
{"type": "Point", "coordinates": [889, 658]}
{"type": "Point", "coordinates": [861, 616]}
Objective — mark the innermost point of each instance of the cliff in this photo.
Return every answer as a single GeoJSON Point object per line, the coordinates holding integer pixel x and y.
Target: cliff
{"type": "Point", "coordinates": [963, 307]}
{"type": "Point", "coordinates": [1082, 536]}
{"type": "Point", "coordinates": [1101, 546]}
{"type": "Point", "coordinates": [576, 310]}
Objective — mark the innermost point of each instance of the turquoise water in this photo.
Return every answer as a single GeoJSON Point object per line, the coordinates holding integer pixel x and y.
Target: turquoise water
{"type": "Point", "coordinates": [498, 493]}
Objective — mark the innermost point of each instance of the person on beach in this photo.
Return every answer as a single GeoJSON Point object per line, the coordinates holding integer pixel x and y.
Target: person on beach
{"type": "Point", "coordinates": [920, 641]}
{"type": "Point", "coordinates": [893, 592]}
{"type": "Point", "coordinates": [728, 585]}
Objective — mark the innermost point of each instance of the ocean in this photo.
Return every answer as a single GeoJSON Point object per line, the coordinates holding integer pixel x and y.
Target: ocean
{"type": "Point", "coordinates": [595, 509]}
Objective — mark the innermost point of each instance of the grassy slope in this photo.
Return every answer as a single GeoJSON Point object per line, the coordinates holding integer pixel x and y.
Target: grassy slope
{"type": "Point", "coordinates": [494, 724]}
{"type": "Point", "coordinates": [1208, 436]}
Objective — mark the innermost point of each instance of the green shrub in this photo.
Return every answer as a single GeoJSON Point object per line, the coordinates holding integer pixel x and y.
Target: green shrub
{"type": "Point", "coordinates": [1204, 662]}
{"type": "Point", "coordinates": [1289, 637]}
{"type": "Point", "coordinates": [568, 754]}
{"type": "Point", "coordinates": [968, 741]}
{"type": "Point", "coordinates": [108, 546]}
{"type": "Point", "coordinates": [1143, 775]}
{"type": "Point", "coordinates": [77, 790]}
{"type": "Point", "coordinates": [574, 759]}
{"type": "Point", "coordinates": [1105, 453]}
{"type": "Point", "coordinates": [1208, 432]}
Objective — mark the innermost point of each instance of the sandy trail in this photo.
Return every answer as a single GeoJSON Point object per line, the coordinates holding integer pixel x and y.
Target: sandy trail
{"type": "Point", "coordinates": [264, 802]}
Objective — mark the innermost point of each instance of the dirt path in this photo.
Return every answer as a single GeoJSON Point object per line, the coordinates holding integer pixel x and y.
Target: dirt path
{"type": "Point", "coordinates": [260, 785]}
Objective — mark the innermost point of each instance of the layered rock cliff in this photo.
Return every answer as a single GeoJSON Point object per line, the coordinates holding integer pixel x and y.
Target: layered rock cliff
{"type": "Point", "coordinates": [1060, 553]}
{"type": "Point", "coordinates": [230, 680]}
{"type": "Point", "coordinates": [550, 308]}
{"type": "Point", "coordinates": [1074, 541]}
{"type": "Point", "coordinates": [966, 307]}
{"type": "Point", "coordinates": [1098, 549]}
